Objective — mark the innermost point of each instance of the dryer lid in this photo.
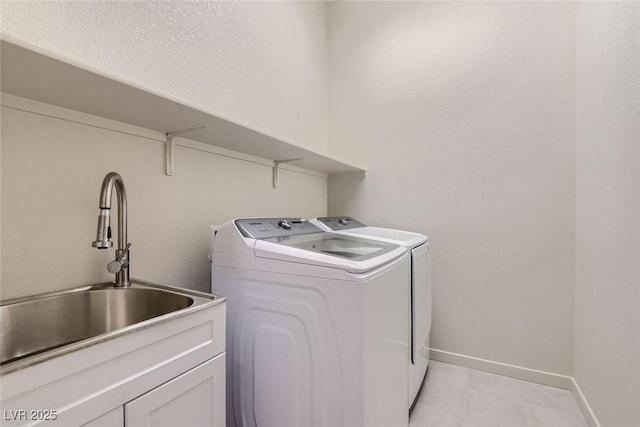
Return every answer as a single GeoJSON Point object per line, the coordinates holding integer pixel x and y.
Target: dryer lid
{"type": "Point", "coordinates": [353, 227]}
{"type": "Point", "coordinates": [351, 254]}
{"type": "Point", "coordinates": [397, 237]}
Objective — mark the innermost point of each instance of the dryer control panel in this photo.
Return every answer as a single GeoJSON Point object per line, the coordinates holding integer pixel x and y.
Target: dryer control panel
{"type": "Point", "coordinates": [337, 223]}
{"type": "Point", "coordinates": [265, 228]}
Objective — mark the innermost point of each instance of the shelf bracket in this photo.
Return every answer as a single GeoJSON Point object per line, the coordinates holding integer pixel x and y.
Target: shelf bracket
{"type": "Point", "coordinates": [276, 166]}
{"type": "Point", "coordinates": [171, 146]}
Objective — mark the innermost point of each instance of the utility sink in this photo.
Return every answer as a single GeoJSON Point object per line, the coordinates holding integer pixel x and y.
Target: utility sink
{"type": "Point", "coordinates": [39, 327]}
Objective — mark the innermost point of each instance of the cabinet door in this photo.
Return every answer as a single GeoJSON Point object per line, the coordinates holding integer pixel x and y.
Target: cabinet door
{"type": "Point", "coordinates": [195, 399]}
{"type": "Point", "coordinates": [114, 418]}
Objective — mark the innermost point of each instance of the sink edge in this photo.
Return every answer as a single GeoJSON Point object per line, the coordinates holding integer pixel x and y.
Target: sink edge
{"type": "Point", "coordinates": [201, 301]}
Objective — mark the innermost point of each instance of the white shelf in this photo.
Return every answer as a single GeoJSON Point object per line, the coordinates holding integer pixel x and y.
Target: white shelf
{"type": "Point", "coordinates": [43, 77]}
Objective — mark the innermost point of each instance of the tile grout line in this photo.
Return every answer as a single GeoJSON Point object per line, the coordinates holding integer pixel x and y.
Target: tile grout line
{"type": "Point", "coordinates": [521, 401]}
{"type": "Point", "coordinates": [466, 395]}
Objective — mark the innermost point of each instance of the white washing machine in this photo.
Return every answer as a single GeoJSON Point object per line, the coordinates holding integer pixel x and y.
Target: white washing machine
{"type": "Point", "coordinates": [316, 333]}
{"type": "Point", "coordinates": [419, 286]}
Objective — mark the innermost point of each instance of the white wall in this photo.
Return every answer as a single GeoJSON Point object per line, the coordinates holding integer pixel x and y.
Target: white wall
{"type": "Point", "coordinates": [259, 63]}
{"type": "Point", "coordinates": [463, 114]}
{"type": "Point", "coordinates": [53, 163]}
{"type": "Point", "coordinates": [607, 321]}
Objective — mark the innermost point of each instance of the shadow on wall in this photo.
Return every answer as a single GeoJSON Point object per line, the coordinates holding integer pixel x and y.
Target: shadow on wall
{"type": "Point", "coordinates": [343, 191]}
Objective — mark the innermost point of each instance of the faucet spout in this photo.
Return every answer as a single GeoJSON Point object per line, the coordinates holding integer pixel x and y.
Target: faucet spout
{"type": "Point", "coordinates": [103, 234]}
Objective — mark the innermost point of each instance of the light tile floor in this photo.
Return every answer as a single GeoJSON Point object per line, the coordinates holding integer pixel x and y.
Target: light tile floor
{"type": "Point", "coordinates": [454, 396]}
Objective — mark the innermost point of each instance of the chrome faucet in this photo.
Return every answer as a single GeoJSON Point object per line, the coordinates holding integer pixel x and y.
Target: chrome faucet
{"type": "Point", "coordinates": [119, 266]}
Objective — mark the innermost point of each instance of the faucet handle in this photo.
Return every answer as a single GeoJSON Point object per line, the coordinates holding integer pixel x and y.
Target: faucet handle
{"type": "Point", "coordinates": [125, 251]}
{"type": "Point", "coordinates": [117, 264]}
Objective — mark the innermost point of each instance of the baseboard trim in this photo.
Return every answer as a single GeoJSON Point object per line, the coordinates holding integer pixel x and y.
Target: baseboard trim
{"type": "Point", "coordinates": [588, 413]}
{"type": "Point", "coordinates": [521, 373]}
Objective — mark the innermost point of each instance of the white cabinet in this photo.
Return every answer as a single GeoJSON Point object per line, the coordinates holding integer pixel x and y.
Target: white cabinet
{"type": "Point", "coordinates": [114, 418]}
{"type": "Point", "coordinates": [177, 365]}
{"type": "Point", "coordinates": [195, 399]}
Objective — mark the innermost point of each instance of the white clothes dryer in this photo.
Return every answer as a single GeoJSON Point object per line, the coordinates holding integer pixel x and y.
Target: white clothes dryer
{"type": "Point", "coordinates": [419, 287]}
{"type": "Point", "coordinates": [316, 334]}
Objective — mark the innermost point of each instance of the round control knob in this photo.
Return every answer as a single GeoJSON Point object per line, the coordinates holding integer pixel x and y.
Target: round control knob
{"type": "Point", "coordinates": [284, 224]}
{"type": "Point", "coordinates": [343, 221]}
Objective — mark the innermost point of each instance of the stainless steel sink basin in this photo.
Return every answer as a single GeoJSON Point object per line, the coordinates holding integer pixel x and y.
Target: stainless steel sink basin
{"type": "Point", "coordinates": [31, 327]}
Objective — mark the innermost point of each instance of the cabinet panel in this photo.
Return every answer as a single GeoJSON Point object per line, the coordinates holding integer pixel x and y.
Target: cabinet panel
{"type": "Point", "coordinates": [195, 398]}
{"type": "Point", "coordinates": [113, 418]}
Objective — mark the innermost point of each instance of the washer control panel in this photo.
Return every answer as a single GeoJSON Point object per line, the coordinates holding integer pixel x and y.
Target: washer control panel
{"type": "Point", "coordinates": [337, 223]}
{"type": "Point", "coordinates": [283, 223]}
{"type": "Point", "coordinates": [265, 228]}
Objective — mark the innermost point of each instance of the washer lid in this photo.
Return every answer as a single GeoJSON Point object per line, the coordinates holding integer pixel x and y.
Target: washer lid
{"type": "Point", "coordinates": [351, 254]}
